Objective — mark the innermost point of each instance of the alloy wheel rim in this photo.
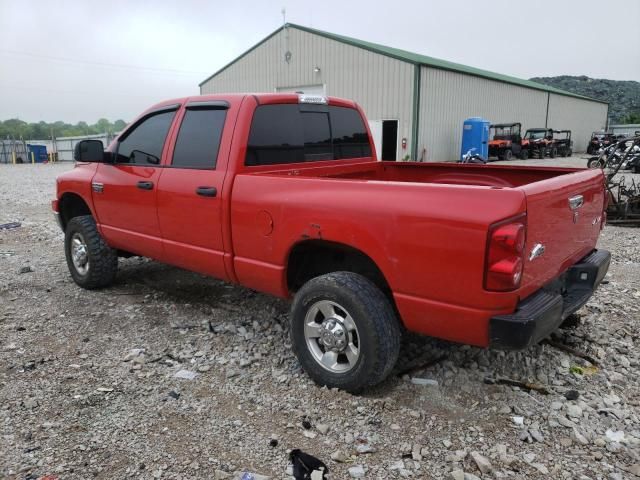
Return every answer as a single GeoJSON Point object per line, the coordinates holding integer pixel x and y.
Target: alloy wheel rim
{"type": "Point", "coordinates": [79, 254]}
{"type": "Point", "coordinates": [332, 336]}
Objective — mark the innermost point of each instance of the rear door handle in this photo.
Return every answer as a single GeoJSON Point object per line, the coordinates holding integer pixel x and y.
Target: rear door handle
{"type": "Point", "coordinates": [145, 185]}
{"type": "Point", "coordinates": [207, 191]}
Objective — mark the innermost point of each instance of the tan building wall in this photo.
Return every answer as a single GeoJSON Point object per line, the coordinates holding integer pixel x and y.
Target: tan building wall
{"type": "Point", "coordinates": [447, 99]}
{"type": "Point", "coordinates": [580, 116]}
{"type": "Point", "coordinates": [383, 86]}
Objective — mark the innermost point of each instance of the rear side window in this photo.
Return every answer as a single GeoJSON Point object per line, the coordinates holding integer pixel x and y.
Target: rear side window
{"type": "Point", "coordinates": [199, 138]}
{"type": "Point", "coordinates": [292, 133]}
{"type": "Point", "coordinates": [143, 145]}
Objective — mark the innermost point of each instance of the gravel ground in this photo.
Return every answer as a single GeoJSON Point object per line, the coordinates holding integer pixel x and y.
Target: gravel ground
{"type": "Point", "coordinates": [88, 385]}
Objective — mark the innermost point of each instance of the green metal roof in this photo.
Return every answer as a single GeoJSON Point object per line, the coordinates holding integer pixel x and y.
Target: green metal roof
{"type": "Point", "coordinates": [416, 59]}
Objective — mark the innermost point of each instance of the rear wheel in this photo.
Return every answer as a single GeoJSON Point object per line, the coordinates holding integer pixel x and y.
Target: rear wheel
{"type": "Point", "coordinates": [92, 263]}
{"type": "Point", "coordinates": [344, 331]}
{"type": "Point", "coordinates": [524, 154]}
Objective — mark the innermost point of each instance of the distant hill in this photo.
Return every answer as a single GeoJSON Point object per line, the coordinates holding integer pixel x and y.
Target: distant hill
{"type": "Point", "coordinates": [623, 96]}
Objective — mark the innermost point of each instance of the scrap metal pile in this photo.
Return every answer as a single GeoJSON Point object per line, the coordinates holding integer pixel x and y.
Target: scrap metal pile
{"type": "Point", "coordinates": [624, 194]}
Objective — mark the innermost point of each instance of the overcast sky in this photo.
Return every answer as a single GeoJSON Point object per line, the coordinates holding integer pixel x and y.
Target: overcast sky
{"type": "Point", "coordinates": [82, 60]}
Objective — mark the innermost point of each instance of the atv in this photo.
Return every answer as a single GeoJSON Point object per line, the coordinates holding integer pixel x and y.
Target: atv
{"type": "Point", "coordinates": [539, 142]}
{"type": "Point", "coordinates": [564, 144]}
{"type": "Point", "coordinates": [506, 141]}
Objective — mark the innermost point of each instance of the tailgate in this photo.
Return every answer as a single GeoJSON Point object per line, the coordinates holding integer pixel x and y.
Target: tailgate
{"type": "Point", "coordinates": [564, 215]}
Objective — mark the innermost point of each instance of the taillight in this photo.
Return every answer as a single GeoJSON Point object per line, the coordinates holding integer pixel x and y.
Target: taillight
{"type": "Point", "coordinates": [505, 247]}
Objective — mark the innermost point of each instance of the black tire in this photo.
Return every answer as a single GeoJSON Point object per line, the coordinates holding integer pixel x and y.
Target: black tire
{"type": "Point", "coordinates": [594, 162]}
{"type": "Point", "coordinates": [524, 154]}
{"type": "Point", "coordinates": [102, 263]}
{"type": "Point", "coordinates": [553, 152]}
{"type": "Point", "coordinates": [508, 154]}
{"type": "Point", "coordinates": [569, 153]}
{"type": "Point", "coordinates": [378, 330]}
{"type": "Point", "coordinates": [541, 152]}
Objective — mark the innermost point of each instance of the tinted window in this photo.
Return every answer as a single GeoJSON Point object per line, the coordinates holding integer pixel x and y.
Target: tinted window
{"type": "Point", "coordinates": [276, 136]}
{"type": "Point", "coordinates": [199, 138]}
{"type": "Point", "coordinates": [317, 136]}
{"type": "Point", "coordinates": [350, 139]}
{"type": "Point", "coordinates": [289, 134]}
{"type": "Point", "coordinates": [143, 145]}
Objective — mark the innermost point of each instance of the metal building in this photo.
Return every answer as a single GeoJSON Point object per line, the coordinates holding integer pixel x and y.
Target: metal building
{"type": "Point", "coordinates": [416, 104]}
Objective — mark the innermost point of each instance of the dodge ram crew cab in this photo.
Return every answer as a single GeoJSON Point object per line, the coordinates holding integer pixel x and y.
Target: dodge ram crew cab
{"type": "Point", "coordinates": [283, 194]}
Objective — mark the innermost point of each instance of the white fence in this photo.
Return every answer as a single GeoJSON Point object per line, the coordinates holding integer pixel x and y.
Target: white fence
{"type": "Point", "coordinates": [628, 129]}
{"type": "Point", "coordinates": [14, 151]}
{"type": "Point", "coordinates": [64, 145]}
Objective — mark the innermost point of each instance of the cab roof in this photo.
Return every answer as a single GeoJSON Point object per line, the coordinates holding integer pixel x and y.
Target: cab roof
{"type": "Point", "coordinates": [261, 99]}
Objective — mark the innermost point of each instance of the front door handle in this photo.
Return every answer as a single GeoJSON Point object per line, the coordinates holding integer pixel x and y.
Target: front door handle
{"type": "Point", "coordinates": [145, 185]}
{"type": "Point", "coordinates": [207, 191]}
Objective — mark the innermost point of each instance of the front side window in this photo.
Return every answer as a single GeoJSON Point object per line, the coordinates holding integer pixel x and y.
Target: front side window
{"type": "Point", "coordinates": [143, 145]}
{"type": "Point", "coordinates": [199, 138]}
{"type": "Point", "coordinates": [291, 133]}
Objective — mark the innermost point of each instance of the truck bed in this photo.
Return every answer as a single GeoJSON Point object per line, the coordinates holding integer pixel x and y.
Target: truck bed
{"type": "Point", "coordinates": [425, 225]}
{"type": "Point", "coordinates": [505, 176]}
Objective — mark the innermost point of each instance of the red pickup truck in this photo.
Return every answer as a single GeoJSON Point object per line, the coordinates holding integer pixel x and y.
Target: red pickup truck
{"type": "Point", "coordinates": [282, 193]}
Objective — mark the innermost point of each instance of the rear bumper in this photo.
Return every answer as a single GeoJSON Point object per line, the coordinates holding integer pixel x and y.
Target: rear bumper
{"type": "Point", "coordinates": [544, 311]}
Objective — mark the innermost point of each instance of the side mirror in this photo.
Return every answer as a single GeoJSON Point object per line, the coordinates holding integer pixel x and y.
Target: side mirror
{"type": "Point", "coordinates": [89, 151]}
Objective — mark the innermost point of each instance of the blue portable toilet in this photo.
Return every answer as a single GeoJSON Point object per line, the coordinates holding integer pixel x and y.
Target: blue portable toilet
{"type": "Point", "coordinates": [475, 134]}
{"type": "Point", "coordinates": [38, 153]}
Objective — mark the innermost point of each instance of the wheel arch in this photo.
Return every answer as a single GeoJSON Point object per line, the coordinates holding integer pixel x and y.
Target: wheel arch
{"type": "Point", "coordinates": [311, 258]}
{"type": "Point", "coordinates": [72, 205]}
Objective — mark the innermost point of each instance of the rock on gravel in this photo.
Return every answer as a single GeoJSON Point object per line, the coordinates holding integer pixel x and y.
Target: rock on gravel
{"type": "Point", "coordinates": [357, 472]}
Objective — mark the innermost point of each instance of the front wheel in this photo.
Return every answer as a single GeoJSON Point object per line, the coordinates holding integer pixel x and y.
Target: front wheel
{"type": "Point", "coordinates": [92, 263]}
{"type": "Point", "coordinates": [508, 154]}
{"type": "Point", "coordinates": [595, 162]}
{"type": "Point", "coordinates": [344, 331]}
{"type": "Point", "coordinates": [524, 154]}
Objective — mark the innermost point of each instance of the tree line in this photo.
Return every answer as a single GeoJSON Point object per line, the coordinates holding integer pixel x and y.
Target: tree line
{"type": "Point", "coordinates": [18, 129]}
{"type": "Point", "coordinates": [623, 96]}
